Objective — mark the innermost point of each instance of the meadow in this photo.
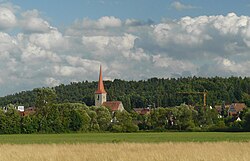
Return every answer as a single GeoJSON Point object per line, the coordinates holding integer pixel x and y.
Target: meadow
{"type": "Point", "coordinates": [167, 146]}
{"type": "Point", "coordinates": [150, 137]}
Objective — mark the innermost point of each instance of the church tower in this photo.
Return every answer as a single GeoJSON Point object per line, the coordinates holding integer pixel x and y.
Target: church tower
{"type": "Point", "coordinates": [100, 93]}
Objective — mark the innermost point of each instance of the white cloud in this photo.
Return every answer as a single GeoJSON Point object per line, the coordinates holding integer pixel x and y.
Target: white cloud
{"type": "Point", "coordinates": [89, 65]}
{"type": "Point", "coordinates": [102, 23]}
{"type": "Point", "coordinates": [34, 54]}
{"type": "Point", "coordinates": [174, 66]}
{"type": "Point", "coordinates": [7, 43]}
{"type": "Point", "coordinates": [106, 21]}
{"type": "Point", "coordinates": [68, 71]}
{"type": "Point", "coordinates": [52, 82]}
{"type": "Point", "coordinates": [31, 22]}
{"type": "Point", "coordinates": [231, 66]}
{"type": "Point", "coordinates": [51, 40]}
{"type": "Point", "coordinates": [38, 54]}
{"type": "Point", "coordinates": [137, 54]}
{"type": "Point", "coordinates": [7, 18]}
{"type": "Point", "coordinates": [180, 6]}
{"type": "Point", "coordinates": [104, 45]}
{"type": "Point", "coordinates": [186, 32]}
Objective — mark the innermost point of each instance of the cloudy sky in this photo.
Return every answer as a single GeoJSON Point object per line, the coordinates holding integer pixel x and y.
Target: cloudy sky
{"type": "Point", "coordinates": [49, 42]}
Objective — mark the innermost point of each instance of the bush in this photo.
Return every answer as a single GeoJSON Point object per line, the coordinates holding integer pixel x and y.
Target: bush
{"type": "Point", "coordinates": [116, 128]}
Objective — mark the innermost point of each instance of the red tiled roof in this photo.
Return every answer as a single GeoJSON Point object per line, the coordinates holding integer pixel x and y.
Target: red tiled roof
{"type": "Point", "coordinates": [113, 105]}
{"type": "Point", "coordinates": [138, 110]}
{"type": "Point", "coordinates": [233, 109]}
{"type": "Point", "coordinates": [28, 111]}
{"type": "Point", "coordinates": [145, 111]}
{"type": "Point", "coordinates": [100, 88]}
{"type": "Point", "coordinates": [239, 106]}
{"type": "Point", "coordinates": [142, 111]}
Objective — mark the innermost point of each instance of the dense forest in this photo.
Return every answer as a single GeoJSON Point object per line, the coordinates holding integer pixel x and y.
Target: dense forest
{"type": "Point", "coordinates": [152, 92]}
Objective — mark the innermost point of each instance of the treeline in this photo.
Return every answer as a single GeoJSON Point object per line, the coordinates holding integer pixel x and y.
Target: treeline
{"type": "Point", "coordinates": [65, 118]}
{"type": "Point", "coordinates": [153, 92]}
{"type": "Point", "coordinates": [50, 117]}
{"type": "Point", "coordinates": [77, 117]}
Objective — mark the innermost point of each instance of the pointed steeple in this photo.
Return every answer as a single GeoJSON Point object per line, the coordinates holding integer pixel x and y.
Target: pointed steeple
{"type": "Point", "coordinates": [100, 89]}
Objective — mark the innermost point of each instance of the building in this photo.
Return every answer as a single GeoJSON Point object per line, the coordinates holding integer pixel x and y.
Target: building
{"type": "Point", "coordinates": [100, 93]}
{"type": "Point", "coordinates": [142, 111]}
{"type": "Point", "coordinates": [101, 97]}
{"type": "Point", "coordinates": [236, 108]}
{"type": "Point", "coordinates": [114, 105]}
{"type": "Point", "coordinates": [231, 110]}
{"type": "Point", "coordinates": [28, 111]}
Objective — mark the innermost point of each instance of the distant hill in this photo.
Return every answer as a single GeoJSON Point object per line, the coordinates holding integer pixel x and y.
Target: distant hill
{"type": "Point", "coordinates": [152, 92]}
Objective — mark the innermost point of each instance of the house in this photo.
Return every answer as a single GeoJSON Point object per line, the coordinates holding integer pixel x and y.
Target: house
{"type": "Point", "coordinates": [28, 111]}
{"type": "Point", "coordinates": [101, 97]}
{"type": "Point", "coordinates": [236, 108]}
{"type": "Point", "coordinates": [114, 105]}
{"type": "Point", "coordinates": [142, 111]}
{"type": "Point", "coordinates": [232, 110]}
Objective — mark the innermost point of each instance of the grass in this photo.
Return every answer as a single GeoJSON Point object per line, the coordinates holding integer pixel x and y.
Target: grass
{"type": "Point", "coordinates": [189, 151]}
{"type": "Point", "coordinates": [165, 146]}
{"type": "Point", "coordinates": [124, 137]}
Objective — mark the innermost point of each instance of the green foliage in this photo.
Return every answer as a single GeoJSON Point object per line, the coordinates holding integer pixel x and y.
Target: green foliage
{"type": "Point", "coordinates": [45, 97]}
{"type": "Point", "coordinates": [13, 122]}
{"type": "Point", "coordinates": [184, 118]}
{"type": "Point", "coordinates": [68, 108]}
{"type": "Point", "coordinates": [3, 122]}
{"type": "Point", "coordinates": [75, 117]}
{"type": "Point", "coordinates": [10, 122]}
{"type": "Point", "coordinates": [29, 124]}
{"type": "Point", "coordinates": [94, 126]}
{"type": "Point", "coordinates": [142, 137]}
{"type": "Point", "coordinates": [246, 123]}
{"type": "Point", "coordinates": [122, 122]}
{"type": "Point", "coordinates": [76, 120]}
{"type": "Point", "coordinates": [103, 118]}
{"type": "Point", "coordinates": [152, 92]}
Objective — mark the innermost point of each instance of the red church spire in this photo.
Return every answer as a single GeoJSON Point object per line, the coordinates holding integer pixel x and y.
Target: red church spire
{"type": "Point", "coordinates": [100, 89]}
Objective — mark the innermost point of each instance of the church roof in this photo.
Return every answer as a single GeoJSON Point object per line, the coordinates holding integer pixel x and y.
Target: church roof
{"type": "Point", "coordinates": [113, 105]}
{"type": "Point", "coordinates": [100, 89]}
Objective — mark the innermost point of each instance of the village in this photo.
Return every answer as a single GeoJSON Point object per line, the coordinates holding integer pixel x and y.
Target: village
{"type": "Point", "coordinates": [216, 114]}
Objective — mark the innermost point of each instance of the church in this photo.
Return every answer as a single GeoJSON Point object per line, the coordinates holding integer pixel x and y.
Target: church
{"type": "Point", "coordinates": [101, 97]}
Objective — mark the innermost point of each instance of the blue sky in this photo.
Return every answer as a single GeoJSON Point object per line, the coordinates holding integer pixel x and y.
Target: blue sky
{"type": "Point", "coordinates": [50, 42]}
{"type": "Point", "coordinates": [64, 12]}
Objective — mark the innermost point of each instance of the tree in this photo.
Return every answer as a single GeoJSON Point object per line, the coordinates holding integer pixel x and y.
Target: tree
{"type": "Point", "coordinates": [246, 122]}
{"type": "Point", "coordinates": [86, 120]}
{"type": "Point", "coordinates": [94, 126]}
{"type": "Point", "coordinates": [13, 121]}
{"type": "Point", "coordinates": [207, 117]}
{"type": "Point", "coordinates": [158, 119]}
{"type": "Point", "coordinates": [76, 120]}
{"type": "Point", "coordinates": [3, 122]}
{"type": "Point", "coordinates": [54, 121]}
{"type": "Point", "coordinates": [123, 122]}
{"type": "Point", "coordinates": [45, 98]}
{"type": "Point", "coordinates": [29, 124]}
{"type": "Point", "coordinates": [183, 117]}
{"type": "Point", "coordinates": [103, 118]}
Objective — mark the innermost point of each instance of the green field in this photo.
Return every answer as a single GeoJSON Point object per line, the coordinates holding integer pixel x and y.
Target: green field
{"type": "Point", "coordinates": [124, 137]}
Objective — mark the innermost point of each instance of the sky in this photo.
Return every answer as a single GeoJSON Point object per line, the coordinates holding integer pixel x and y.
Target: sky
{"type": "Point", "coordinates": [51, 42]}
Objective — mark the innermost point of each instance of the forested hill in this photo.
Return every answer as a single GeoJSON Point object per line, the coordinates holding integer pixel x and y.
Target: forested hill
{"type": "Point", "coordinates": [154, 91]}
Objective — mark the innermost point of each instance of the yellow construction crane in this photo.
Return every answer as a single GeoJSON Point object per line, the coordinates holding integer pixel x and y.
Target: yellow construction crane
{"type": "Point", "coordinates": [203, 93]}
